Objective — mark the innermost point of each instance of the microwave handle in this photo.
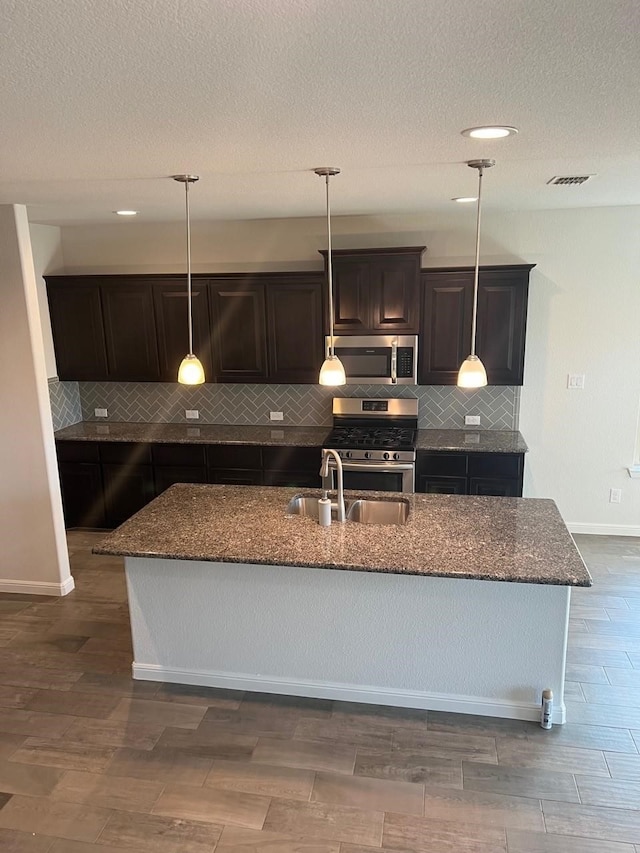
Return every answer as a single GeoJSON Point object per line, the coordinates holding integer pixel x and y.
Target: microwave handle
{"type": "Point", "coordinates": [394, 362]}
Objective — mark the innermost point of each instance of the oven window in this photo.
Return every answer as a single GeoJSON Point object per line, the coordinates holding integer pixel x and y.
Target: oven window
{"type": "Point", "coordinates": [376, 481]}
{"type": "Point", "coordinates": [359, 363]}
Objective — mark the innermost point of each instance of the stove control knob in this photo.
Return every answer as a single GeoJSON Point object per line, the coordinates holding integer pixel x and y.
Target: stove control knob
{"type": "Point", "coordinates": [367, 454]}
{"type": "Point", "coordinates": [347, 455]}
{"type": "Point", "coordinates": [386, 456]}
{"type": "Point", "coordinates": [396, 456]}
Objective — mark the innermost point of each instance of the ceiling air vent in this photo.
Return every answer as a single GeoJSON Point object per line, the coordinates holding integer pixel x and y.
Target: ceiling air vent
{"type": "Point", "coordinates": [569, 180]}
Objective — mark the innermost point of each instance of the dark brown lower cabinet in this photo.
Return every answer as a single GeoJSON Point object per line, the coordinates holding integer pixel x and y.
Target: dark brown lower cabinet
{"type": "Point", "coordinates": [82, 496]}
{"type": "Point", "coordinates": [441, 485]}
{"type": "Point", "coordinates": [498, 474]}
{"type": "Point", "coordinates": [166, 476]}
{"type": "Point", "coordinates": [235, 477]}
{"type": "Point", "coordinates": [127, 488]}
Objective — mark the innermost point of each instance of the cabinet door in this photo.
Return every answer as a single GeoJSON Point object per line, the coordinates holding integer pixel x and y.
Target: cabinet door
{"type": "Point", "coordinates": [395, 295]}
{"type": "Point", "coordinates": [442, 485]}
{"type": "Point", "coordinates": [166, 476]}
{"type": "Point", "coordinates": [82, 501]}
{"type": "Point", "coordinates": [77, 328]}
{"type": "Point", "coordinates": [502, 317]}
{"type": "Point", "coordinates": [130, 331]}
{"type": "Point", "coordinates": [445, 339]}
{"type": "Point", "coordinates": [497, 486]}
{"type": "Point", "coordinates": [238, 322]}
{"type": "Point", "coordinates": [127, 488]}
{"type": "Point", "coordinates": [295, 333]}
{"type": "Point", "coordinates": [294, 479]}
{"type": "Point", "coordinates": [170, 301]}
{"type": "Point", "coordinates": [351, 312]}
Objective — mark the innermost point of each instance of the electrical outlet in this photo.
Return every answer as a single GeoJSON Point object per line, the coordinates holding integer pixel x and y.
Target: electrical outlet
{"type": "Point", "coordinates": [615, 496]}
{"type": "Point", "coordinates": [276, 416]}
{"type": "Point", "coordinates": [472, 420]}
{"type": "Point", "coordinates": [100, 413]}
{"type": "Point", "coordinates": [192, 414]}
{"type": "Point", "coordinates": [575, 381]}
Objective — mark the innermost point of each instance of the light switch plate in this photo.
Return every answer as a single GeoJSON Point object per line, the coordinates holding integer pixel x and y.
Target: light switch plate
{"type": "Point", "coordinates": [192, 414]}
{"type": "Point", "coordinates": [575, 381]}
{"type": "Point", "coordinates": [276, 416]}
{"type": "Point", "coordinates": [472, 420]}
{"type": "Point", "coordinates": [100, 413]}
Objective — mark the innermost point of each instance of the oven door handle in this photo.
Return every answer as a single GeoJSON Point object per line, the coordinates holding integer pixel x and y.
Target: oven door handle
{"type": "Point", "coordinates": [384, 467]}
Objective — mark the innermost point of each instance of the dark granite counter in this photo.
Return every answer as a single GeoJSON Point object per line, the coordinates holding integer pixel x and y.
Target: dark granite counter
{"type": "Point", "coordinates": [287, 436]}
{"type": "Point", "coordinates": [472, 441]}
{"type": "Point", "coordinates": [478, 441]}
{"type": "Point", "coordinates": [478, 538]}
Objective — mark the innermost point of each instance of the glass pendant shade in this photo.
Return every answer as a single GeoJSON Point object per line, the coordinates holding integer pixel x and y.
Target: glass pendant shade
{"type": "Point", "coordinates": [191, 371]}
{"type": "Point", "coordinates": [472, 373]}
{"type": "Point", "coordinates": [332, 372]}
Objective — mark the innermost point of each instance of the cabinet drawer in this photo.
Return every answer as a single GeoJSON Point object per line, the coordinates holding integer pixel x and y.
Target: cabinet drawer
{"type": "Point", "coordinates": [117, 452]}
{"type": "Point", "coordinates": [234, 456]}
{"type": "Point", "coordinates": [295, 479]}
{"type": "Point", "coordinates": [292, 458]}
{"type": "Point", "coordinates": [77, 451]}
{"type": "Point", "coordinates": [495, 464]}
{"type": "Point", "coordinates": [178, 454]}
{"type": "Point", "coordinates": [443, 464]}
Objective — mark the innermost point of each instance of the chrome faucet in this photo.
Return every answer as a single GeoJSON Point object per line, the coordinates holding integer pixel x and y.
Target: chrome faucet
{"type": "Point", "coordinates": [324, 472]}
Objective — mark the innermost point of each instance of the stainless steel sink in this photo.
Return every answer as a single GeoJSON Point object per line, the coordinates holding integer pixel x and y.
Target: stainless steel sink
{"type": "Point", "coordinates": [379, 511]}
{"type": "Point", "coordinates": [360, 510]}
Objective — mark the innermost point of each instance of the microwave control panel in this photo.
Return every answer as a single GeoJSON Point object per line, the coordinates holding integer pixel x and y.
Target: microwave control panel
{"type": "Point", "coordinates": [405, 362]}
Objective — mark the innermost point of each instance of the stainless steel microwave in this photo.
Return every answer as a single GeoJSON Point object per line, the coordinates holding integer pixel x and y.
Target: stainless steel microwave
{"type": "Point", "coordinates": [378, 359]}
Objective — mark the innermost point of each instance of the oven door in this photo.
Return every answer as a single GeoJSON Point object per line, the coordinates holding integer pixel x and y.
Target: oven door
{"type": "Point", "coordinates": [374, 476]}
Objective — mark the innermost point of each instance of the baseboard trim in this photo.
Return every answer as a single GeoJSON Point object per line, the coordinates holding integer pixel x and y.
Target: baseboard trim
{"type": "Point", "coordinates": [604, 529]}
{"type": "Point", "coordinates": [347, 692]}
{"type": "Point", "coordinates": [37, 587]}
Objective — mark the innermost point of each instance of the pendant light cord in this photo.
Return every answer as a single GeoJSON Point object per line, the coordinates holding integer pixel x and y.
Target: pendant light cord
{"type": "Point", "coordinates": [189, 300]}
{"type": "Point", "coordinates": [474, 316]}
{"type": "Point", "coordinates": [329, 269]}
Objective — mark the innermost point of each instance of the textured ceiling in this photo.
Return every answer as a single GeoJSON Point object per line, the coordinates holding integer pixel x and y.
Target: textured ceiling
{"type": "Point", "coordinates": [101, 100]}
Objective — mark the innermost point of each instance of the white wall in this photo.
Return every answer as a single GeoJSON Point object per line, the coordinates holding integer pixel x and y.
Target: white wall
{"type": "Point", "coordinates": [33, 553]}
{"type": "Point", "coordinates": [583, 318]}
{"type": "Point", "coordinates": [46, 246]}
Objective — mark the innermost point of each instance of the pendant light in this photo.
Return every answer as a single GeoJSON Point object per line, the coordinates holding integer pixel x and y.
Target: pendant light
{"type": "Point", "coordinates": [332, 370]}
{"type": "Point", "coordinates": [191, 371]}
{"type": "Point", "coordinates": [472, 373]}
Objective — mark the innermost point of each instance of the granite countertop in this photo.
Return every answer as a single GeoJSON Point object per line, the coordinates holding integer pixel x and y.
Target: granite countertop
{"type": "Point", "coordinates": [288, 436]}
{"type": "Point", "coordinates": [479, 538]}
{"type": "Point", "coordinates": [479, 441]}
{"type": "Point", "coordinates": [472, 441]}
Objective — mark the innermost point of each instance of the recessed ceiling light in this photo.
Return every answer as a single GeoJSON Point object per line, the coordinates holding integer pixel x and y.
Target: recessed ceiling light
{"type": "Point", "coordinates": [465, 199]}
{"type": "Point", "coordinates": [127, 212]}
{"type": "Point", "coordinates": [490, 131]}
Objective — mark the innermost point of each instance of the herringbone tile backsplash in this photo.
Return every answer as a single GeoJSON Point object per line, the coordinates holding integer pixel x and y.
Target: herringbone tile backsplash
{"type": "Point", "coordinates": [441, 406]}
{"type": "Point", "coordinates": [64, 399]}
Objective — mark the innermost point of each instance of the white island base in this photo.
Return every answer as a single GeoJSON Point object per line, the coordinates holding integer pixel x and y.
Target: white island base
{"type": "Point", "coordinates": [446, 644]}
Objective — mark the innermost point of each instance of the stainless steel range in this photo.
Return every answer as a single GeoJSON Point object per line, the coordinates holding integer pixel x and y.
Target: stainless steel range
{"type": "Point", "coordinates": [376, 441]}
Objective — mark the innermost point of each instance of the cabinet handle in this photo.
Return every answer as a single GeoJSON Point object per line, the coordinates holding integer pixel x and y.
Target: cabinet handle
{"type": "Point", "coordinates": [394, 362]}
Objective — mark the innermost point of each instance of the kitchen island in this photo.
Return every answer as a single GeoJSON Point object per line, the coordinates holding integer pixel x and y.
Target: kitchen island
{"type": "Point", "coordinates": [464, 608]}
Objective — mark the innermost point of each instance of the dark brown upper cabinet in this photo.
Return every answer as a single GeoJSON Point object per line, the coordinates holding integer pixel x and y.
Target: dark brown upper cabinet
{"type": "Point", "coordinates": [130, 330]}
{"type": "Point", "coordinates": [78, 330]}
{"type": "Point", "coordinates": [445, 334]}
{"type": "Point", "coordinates": [376, 290]}
{"type": "Point", "coordinates": [294, 328]}
{"type": "Point", "coordinates": [170, 302]}
{"type": "Point", "coordinates": [238, 324]}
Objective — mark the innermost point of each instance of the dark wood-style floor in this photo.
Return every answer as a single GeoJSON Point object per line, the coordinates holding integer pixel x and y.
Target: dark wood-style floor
{"type": "Point", "coordinates": [92, 761]}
